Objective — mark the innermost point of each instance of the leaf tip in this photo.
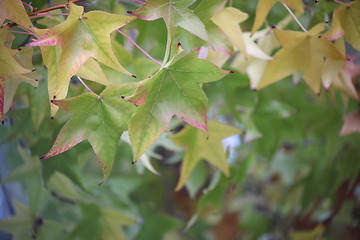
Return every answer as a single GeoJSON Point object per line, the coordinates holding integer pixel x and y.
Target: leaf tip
{"type": "Point", "coordinates": [318, 94]}
{"type": "Point", "coordinates": [316, 1]}
{"type": "Point", "coordinates": [229, 72]}
{"type": "Point", "coordinates": [326, 89]}
{"type": "Point", "coordinates": [179, 44]}
{"type": "Point", "coordinates": [19, 49]}
{"type": "Point", "coordinates": [54, 96]}
{"type": "Point", "coordinates": [133, 76]}
{"type": "Point", "coordinates": [130, 12]}
{"type": "Point", "coordinates": [52, 100]}
{"type": "Point", "coordinates": [101, 183]}
{"type": "Point", "coordinates": [41, 158]}
{"type": "Point", "coordinates": [254, 89]}
{"type": "Point", "coordinates": [273, 26]}
{"type": "Point", "coordinates": [33, 70]}
{"type": "Point", "coordinates": [2, 122]}
{"type": "Point", "coordinates": [52, 118]}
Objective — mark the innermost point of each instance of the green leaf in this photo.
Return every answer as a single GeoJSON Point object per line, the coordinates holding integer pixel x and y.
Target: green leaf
{"type": "Point", "coordinates": [174, 13]}
{"type": "Point", "coordinates": [156, 226]}
{"type": "Point", "coordinates": [173, 90]}
{"type": "Point", "coordinates": [97, 223]}
{"type": "Point", "coordinates": [202, 145]}
{"type": "Point", "coordinates": [100, 119]}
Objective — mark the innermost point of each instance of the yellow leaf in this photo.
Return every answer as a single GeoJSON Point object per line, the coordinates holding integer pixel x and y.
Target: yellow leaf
{"type": "Point", "coordinates": [346, 22]}
{"type": "Point", "coordinates": [301, 50]}
{"type": "Point", "coordinates": [228, 21]}
{"type": "Point", "coordinates": [264, 6]}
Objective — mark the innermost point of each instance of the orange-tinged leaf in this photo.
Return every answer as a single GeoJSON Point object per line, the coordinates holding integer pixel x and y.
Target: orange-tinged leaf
{"type": "Point", "coordinates": [264, 6]}
{"type": "Point", "coordinates": [99, 119]}
{"type": "Point", "coordinates": [201, 145]}
{"type": "Point", "coordinates": [228, 21]}
{"type": "Point", "coordinates": [301, 50]}
{"type": "Point", "coordinates": [346, 22]}
{"type": "Point", "coordinates": [12, 71]}
{"type": "Point", "coordinates": [351, 123]}
{"type": "Point", "coordinates": [82, 37]}
{"type": "Point", "coordinates": [14, 10]}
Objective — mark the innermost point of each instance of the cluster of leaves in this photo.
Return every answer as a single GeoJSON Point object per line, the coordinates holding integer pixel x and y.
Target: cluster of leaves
{"type": "Point", "coordinates": [290, 151]}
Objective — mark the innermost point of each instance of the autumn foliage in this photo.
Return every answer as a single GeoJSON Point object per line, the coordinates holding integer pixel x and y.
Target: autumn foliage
{"type": "Point", "coordinates": [185, 90]}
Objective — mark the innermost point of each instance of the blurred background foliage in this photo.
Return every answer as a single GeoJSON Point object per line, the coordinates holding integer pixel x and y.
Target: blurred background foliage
{"type": "Point", "coordinates": [292, 175]}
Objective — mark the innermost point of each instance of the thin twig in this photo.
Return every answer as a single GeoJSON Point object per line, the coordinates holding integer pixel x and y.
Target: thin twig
{"type": "Point", "coordinates": [52, 8]}
{"type": "Point", "coordinates": [82, 82]}
{"type": "Point", "coordinates": [293, 15]}
{"type": "Point", "coordinates": [337, 1]}
{"type": "Point", "coordinates": [148, 55]}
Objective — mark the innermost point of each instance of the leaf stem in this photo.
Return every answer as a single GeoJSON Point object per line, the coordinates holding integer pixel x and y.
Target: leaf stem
{"type": "Point", "coordinates": [337, 1]}
{"type": "Point", "coordinates": [293, 15]}
{"type": "Point", "coordinates": [27, 31]}
{"type": "Point", "coordinates": [138, 1]}
{"type": "Point", "coordinates": [28, 5]}
{"type": "Point", "coordinates": [82, 82]}
{"type": "Point", "coordinates": [128, 38]}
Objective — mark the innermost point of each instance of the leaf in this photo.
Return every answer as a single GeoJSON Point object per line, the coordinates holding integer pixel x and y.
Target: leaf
{"type": "Point", "coordinates": [340, 73]}
{"type": "Point", "coordinates": [21, 224]}
{"type": "Point", "coordinates": [173, 90]}
{"type": "Point", "coordinates": [14, 10]}
{"type": "Point", "coordinates": [103, 223]}
{"type": "Point", "coordinates": [346, 22]}
{"type": "Point", "coordinates": [228, 21]}
{"type": "Point", "coordinates": [174, 13]}
{"type": "Point", "coordinates": [205, 10]}
{"type": "Point", "coordinates": [81, 37]}
{"type": "Point", "coordinates": [351, 124]}
{"type": "Point", "coordinates": [314, 234]}
{"type": "Point", "coordinates": [156, 226]}
{"type": "Point", "coordinates": [301, 50]}
{"type": "Point", "coordinates": [51, 57]}
{"type": "Point", "coordinates": [264, 6]}
{"type": "Point", "coordinates": [11, 73]}
{"type": "Point", "coordinates": [199, 146]}
{"type": "Point", "coordinates": [100, 119]}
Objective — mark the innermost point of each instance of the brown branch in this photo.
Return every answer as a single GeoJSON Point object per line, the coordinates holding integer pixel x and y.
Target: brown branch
{"type": "Point", "coordinates": [52, 8]}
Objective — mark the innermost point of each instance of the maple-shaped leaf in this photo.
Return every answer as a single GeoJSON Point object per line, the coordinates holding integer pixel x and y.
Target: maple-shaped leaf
{"type": "Point", "coordinates": [14, 10]}
{"type": "Point", "coordinates": [175, 13]}
{"type": "Point", "coordinates": [339, 73]}
{"type": "Point", "coordinates": [99, 119]}
{"type": "Point", "coordinates": [264, 6]}
{"type": "Point", "coordinates": [301, 50]}
{"type": "Point", "coordinates": [228, 20]}
{"type": "Point", "coordinates": [83, 36]}
{"type": "Point", "coordinates": [26, 225]}
{"type": "Point", "coordinates": [11, 73]}
{"type": "Point", "coordinates": [201, 145]}
{"type": "Point", "coordinates": [173, 90]}
{"type": "Point", "coordinates": [351, 123]}
{"type": "Point", "coordinates": [205, 10]}
{"type": "Point", "coordinates": [346, 22]}
{"type": "Point", "coordinates": [104, 224]}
